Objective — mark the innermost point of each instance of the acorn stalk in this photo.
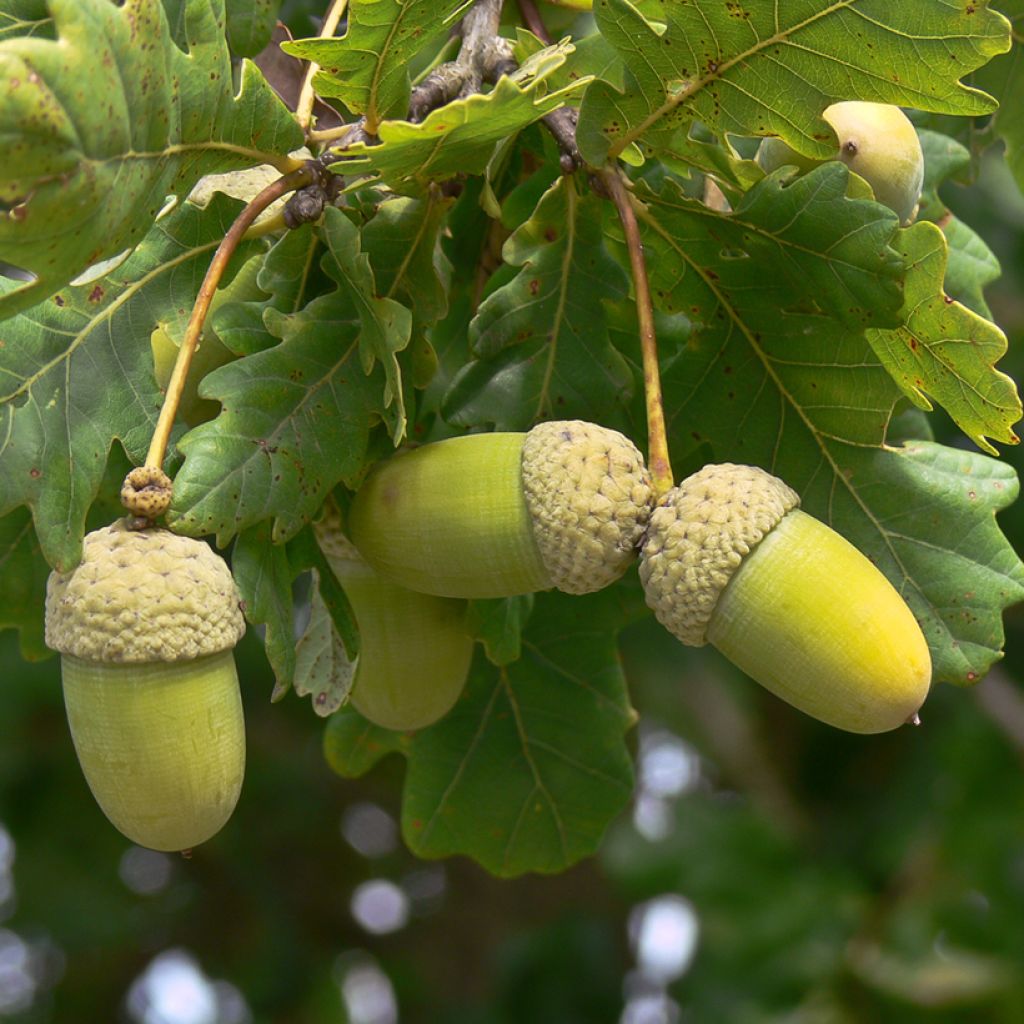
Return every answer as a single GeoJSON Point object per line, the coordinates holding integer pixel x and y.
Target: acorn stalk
{"type": "Point", "coordinates": [494, 515]}
{"type": "Point", "coordinates": [730, 559]}
{"type": "Point", "coordinates": [145, 626]}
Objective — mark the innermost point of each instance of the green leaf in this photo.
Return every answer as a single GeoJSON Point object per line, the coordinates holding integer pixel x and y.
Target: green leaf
{"type": "Point", "coordinates": [290, 275]}
{"type": "Point", "coordinates": [368, 68]}
{"type": "Point", "coordinates": [76, 373]}
{"type": "Point", "coordinates": [264, 577]}
{"type": "Point", "coordinates": [972, 265]}
{"type": "Point", "coordinates": [529, 768]}
{"type": "Point", "coordinates": [25, 18]}
{"type": "Point", "coordinates": [945, 350]}
{"type": "Point", "coordinates": [460, 137]}
{"type": "Point", "coordinates": [1004, 78]}
{"type": "Point", "coordinates": [770, 69]}
{"type": "Point", "coordinates": [98, 129]}
{"type": "Point", "coordinates": [794, 241]}
{"type": "Point", "coordinates": [24, 572]}
{"type": "Point", "coordinates": [323, 669]}
{"type": "Point", "coordinates": [250, 24]}
{"type": "Point", "coordinates": [498, 624]}
{"type": "Point", "coordinates": [386, 325]}
{"type": "Point", "coordinates": [403, 241]}
{"type": "Point", "coordinates": [804, 397]}
{"type": "Point", "coordinates": [541, 340]}
{"type": "Point", "coordinates": [296, 418]}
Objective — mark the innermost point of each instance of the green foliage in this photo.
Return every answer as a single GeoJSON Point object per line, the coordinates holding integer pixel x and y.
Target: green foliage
{"type": "Point", "coordinates": [100, 128]}
{"type": "Point", "coordinates": [472, 275]}
{"type": "Point", "coordinates": [368, 68]}
{"type": "Point", "coordinates": [509, 774]}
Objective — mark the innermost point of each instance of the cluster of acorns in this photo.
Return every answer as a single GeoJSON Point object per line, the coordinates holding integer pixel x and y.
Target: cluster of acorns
{"type": "Point", "coordinates": [147, 622]}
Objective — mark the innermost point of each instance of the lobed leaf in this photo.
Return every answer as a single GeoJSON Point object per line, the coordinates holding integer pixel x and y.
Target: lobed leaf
{"type": "Point", "coordinates": [945, 350]}
{"type": "Point", "coordinates": [368, 68]}
{"type": "Point", "coordinates": [101, 123]}
{"type": "Point", "coordinates": [509, 777]}
{"type": "Point", "coordinates": [295, 418]}
{"type": "Point", "coordinates": [810, 402]}
{"type": "Point", "coordinates": [1004, 78]}
{"type": "Point", "coordinates": [460, 137]}
{"type": "Point", "coordinates": [770, 69]}
{"type": "Point", "coordinates": [76, 374]}
{"type": "Point", "coordinates": [541, 340]}
{"type": "Point", "coordinates": [972, 265]}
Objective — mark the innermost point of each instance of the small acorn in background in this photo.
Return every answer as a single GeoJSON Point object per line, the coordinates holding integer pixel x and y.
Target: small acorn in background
{"type": "Point", "coordinates": [414, 649]}
{"type": "Point", "coordinates": [494, 515]}
{"type": "Point", "coordinates": [730, 559]}
{"type": "Point", "coordinates": [145, 626]}
{"type": "Point", "coordinates": [876, 141]}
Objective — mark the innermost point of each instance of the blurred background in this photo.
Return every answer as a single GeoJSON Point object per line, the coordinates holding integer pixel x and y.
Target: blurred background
{"type": "Point", "coordinates": [768, 869]}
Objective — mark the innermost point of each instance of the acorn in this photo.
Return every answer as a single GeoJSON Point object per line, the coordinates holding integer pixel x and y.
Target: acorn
{"type": "Point", "coordinates": [877, 141]}
{"type": "Point", "coordinates": [493, 515]}
{"type": "Point", "coordinates": [145, 626]}
{"type": "Point", "coordinates": [414, 649]}
{"type": "Point", "coordinates": [730, 559]}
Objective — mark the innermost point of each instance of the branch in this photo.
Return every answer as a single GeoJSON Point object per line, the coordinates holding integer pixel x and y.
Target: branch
{"type": "Point", "coordinates": [483, 57]}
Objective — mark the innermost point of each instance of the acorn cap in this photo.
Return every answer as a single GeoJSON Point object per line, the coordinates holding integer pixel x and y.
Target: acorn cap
{"type": "Point", "coordinates": [143, 596]}
{"type": "Point", "coordinates": [589, 497]}
{"type": "Point", "coordinates": [699, 535]}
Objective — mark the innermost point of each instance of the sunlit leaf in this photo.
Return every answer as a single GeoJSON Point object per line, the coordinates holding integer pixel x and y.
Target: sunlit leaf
{"type": "Point", "coordinates": [770, 69]}
{"type": "Point", "coordinates": [98, 129]}
{"type": "Point", "coordinates": [945, 350]}
{"type": "Point", "coordinates": [76, 373]}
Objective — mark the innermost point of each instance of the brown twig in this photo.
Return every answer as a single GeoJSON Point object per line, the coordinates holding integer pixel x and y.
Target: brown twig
{"type": "Point", "coordinates": [484, 56]}
{"type": "Point", "coordinates": [307, 97]}
{"type": "Point", "coordinates": [534, 22]}
{"type": "Point", "coordinates": [175, 386]}
{"type": "Point", "coordinates": [658, 462]}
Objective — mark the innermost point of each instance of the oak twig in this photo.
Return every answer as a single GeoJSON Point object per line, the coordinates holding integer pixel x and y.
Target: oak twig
{"type": "Point", "coordinates": [307, 95]}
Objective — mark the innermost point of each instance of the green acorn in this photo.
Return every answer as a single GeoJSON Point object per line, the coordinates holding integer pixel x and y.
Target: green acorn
{"type": "Point", "coordinates": [493, 515]}
{"type": "Point", "coordinates": [414, 649]}
{"type": "Point", "coordinates": [145, 626]}
{"type": "Point", "coordinates": [729, 559]}
{"type": "Point", "coordinates": [877, 141]}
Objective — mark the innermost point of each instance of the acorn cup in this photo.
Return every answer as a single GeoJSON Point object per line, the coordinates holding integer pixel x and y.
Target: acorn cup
{"type": "Point", "coordinates": [877, 141]}
{"type": "Point", "coordinates": [145, 626]}
{"type": "Point", "coordinates": [414, 649]}
{"type": "Point", "coordinates": [729, 559]}
{"type": "Point", "coordinates": [495, 515]}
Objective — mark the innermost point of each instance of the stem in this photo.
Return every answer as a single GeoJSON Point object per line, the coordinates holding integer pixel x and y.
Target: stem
{"type": "Point", "coordinates": [658, 462]}
{"type": "Point", "coordinates": [176, 385]}
{"type": "Point", "coordinates": [534, 22]}
{"type": "Point", "coordinates": [304, 107]}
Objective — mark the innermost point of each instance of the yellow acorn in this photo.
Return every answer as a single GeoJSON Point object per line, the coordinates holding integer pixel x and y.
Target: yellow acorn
{"type": "Point", "coordinates": [730, 559]}
{"type": "Point", "coordinates": [145, 626]}
{"type": "Point", "coordinates": [493, 515]}
{"type": "Point", "coordinates": [414, 649]}
{"type": "Point", "coordinates": [877, 141]}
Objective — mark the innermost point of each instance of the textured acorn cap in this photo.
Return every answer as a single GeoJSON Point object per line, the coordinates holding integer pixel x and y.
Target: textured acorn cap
{"type": "Point", "coordinates": [699, 535]}
{"type": "Point", "coordinates": [589, 496]}
{"type": "Point", "coordinates": [143, 596]}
